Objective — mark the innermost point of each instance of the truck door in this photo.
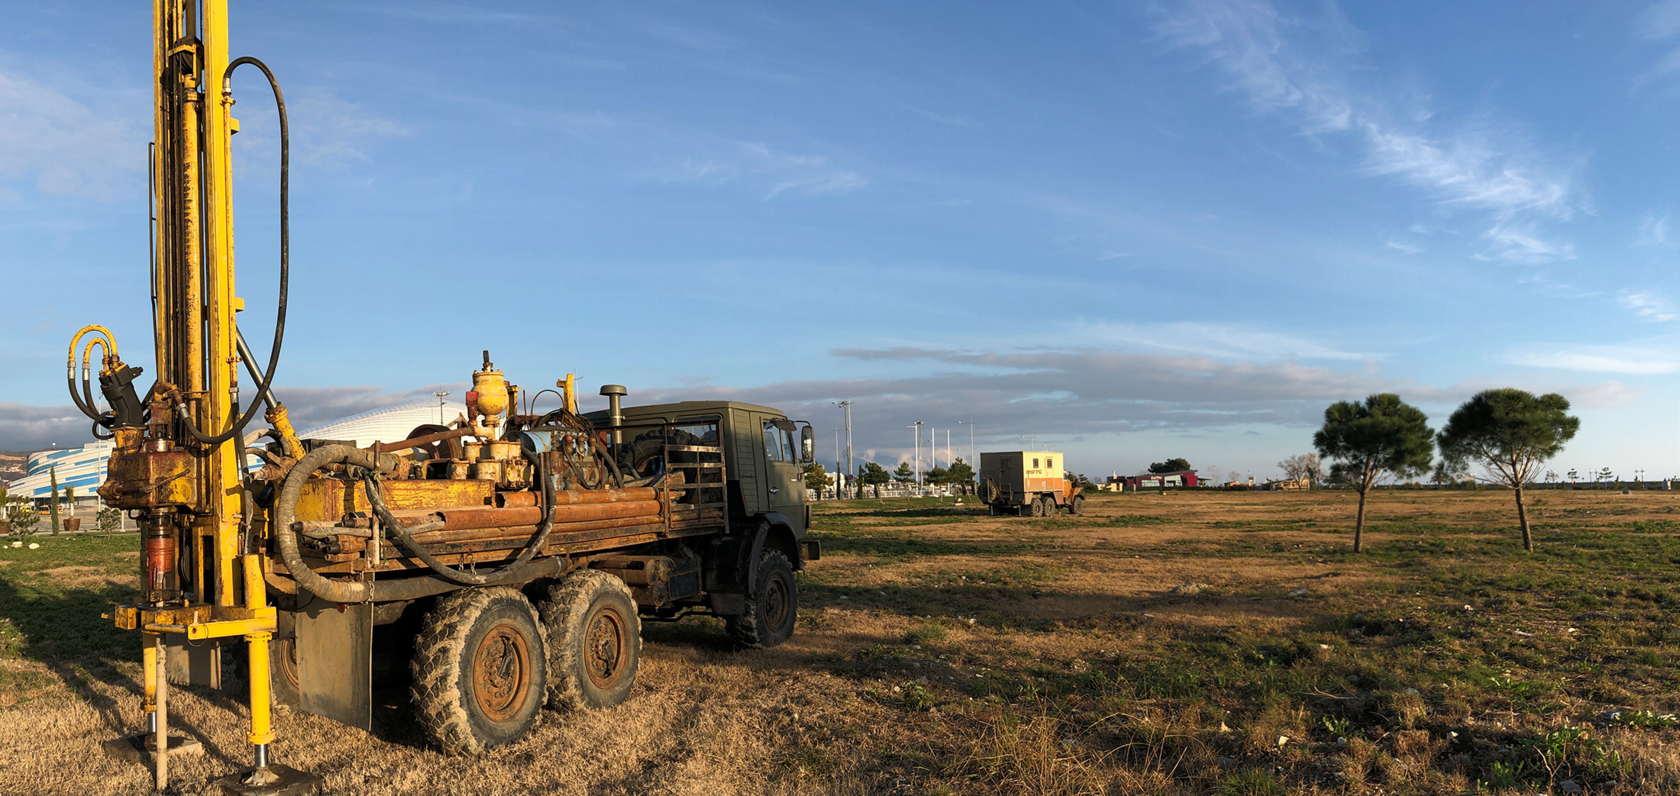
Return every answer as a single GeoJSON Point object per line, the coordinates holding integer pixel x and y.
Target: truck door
{"type": "Point", "coordinates": [786, 484]}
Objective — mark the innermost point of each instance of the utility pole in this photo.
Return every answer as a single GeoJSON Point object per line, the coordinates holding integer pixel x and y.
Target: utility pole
{"type": "Point", "coordinates": [971, 462]}
{"type": "Point", "coordinates": [918, 431]}
{"type": "Point", "coordinates": [1032, 442]}
{"type": "Point", "coordinates": [847, 407]}
{"type": "Point", "coordinates": [440, 407]}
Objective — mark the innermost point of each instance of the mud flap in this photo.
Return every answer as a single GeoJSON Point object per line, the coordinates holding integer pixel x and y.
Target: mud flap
{"type": "Point", "coordinates": [193, 663]}
{"type": "Point", "coordinates": [335, 661]}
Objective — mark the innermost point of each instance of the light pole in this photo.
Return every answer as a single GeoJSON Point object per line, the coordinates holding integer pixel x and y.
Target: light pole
{"type": "Point", "coordinates": [847, 406]}
{"type": "Point", "coordinates": [918, 466]}
{"type": "Point", "coordinates": [440, 406]}
{"type": "Point", "coordinates": [1032, 442]}
{"type": "Point", "coordinates": [970, 424]}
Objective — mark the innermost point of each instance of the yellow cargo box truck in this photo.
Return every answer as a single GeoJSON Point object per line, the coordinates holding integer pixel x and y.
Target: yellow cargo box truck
{"type": "Point", "coordinates": [1027, 483]}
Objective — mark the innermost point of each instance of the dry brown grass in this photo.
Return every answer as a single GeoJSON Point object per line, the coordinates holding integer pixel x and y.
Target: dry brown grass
{"type": "Point", "coordinates": [942, 652]}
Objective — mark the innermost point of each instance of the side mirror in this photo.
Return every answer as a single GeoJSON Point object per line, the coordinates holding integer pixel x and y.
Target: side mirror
{"type": "Point", "coordinates": [807, 445]}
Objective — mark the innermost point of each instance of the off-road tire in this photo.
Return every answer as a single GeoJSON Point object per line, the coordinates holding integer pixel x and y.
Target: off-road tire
{"type": "Point", "coordinates": [594, 641]}
{"type": "Point", "coordinates": [1037, 506]}
{"type": "Point", "coordinates": [772, 609]}
{"type": "Point", "coordinates": [480, 670]}
{"type": "Point", "coordinates": [1076, 506]}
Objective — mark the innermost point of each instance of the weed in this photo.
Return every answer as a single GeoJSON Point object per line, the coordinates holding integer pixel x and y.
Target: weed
{"type": "Point", "coordinates": [1249, 783]}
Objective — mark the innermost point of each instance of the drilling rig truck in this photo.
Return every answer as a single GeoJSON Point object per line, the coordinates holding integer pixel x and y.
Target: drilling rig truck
{"type": "Point", "coordinates": [526, 547]}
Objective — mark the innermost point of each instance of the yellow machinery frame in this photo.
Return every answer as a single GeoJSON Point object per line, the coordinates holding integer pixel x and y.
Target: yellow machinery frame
{"type": "Point", "coordinates": [178, 485]}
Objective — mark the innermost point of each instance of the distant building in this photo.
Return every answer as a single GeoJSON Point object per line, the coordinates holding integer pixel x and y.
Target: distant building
{"type": "Point", "coordinates": [1181, 478]}
{"type": "Point", "coordinates": [84, 467]}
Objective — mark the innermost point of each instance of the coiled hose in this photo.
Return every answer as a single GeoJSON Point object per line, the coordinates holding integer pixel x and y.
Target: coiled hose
{"type": "Point", "coordinates": [285, 539]}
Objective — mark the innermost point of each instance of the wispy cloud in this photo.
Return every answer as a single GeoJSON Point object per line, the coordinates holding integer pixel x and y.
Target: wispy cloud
{"type": "Point", "coordinates": [1647, 305]}
{"type": "Point", "coordinates": [1627, 359]}
{"type": "Point", "coordinates": [721, 161]}
{"type": "Point", "coordinates": [1403, 247]}
{"type": "Point", "coordinates": [1520, 244]}
{"type": "Point", "coordinates": [1220, 341]}
{"type": "Point", "coordinates": [1653, 231]}
{"type": "Point", "coordinates": [1659, 22]}
{"type": "Point", "coordinates": [1294, 67]}
{"type": "Point", "coordinates": [952, 120]}
{"type": "Point", "coordinates": [62, 145]}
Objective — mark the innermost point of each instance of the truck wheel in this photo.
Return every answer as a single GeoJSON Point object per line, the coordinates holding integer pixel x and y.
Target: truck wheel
{"type": "Point", "coordinates": [1038, 507]}
{"type": "Point", "coordinates": [594, 641]}
{"type": "Point", "coordinates": [773, 608]}
{"type": "Point", "coordinates": [479, 670]}
{"type": "Point", "coordinates": [1077, 505]}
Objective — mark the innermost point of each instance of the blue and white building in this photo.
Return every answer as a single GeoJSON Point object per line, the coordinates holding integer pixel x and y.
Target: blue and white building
{"type": "Point", "coordinates": [84, 467]}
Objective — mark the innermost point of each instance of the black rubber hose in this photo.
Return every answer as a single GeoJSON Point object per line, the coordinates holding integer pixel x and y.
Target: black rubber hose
{"type": "Point", "coordinates": [286, 544]}
{"type": "Point", "coordinates": [285, 257]}
{"type": "Point", "coordinates": [405, 537]}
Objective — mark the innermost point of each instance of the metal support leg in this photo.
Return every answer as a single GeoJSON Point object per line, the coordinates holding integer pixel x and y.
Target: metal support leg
{"type": "Point", "coordinates": [160, 755]}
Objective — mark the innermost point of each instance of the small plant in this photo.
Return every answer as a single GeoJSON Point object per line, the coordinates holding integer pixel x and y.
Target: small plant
{"type": "Point", "coordinates": [1644, 719]}
{"type": "Point", "coordinates": [1338, 727]}
{"type": "Point", "coordinates": [918, 698]}
{"type": "Point", "coordinates": [21, 516]}
{"type": "Point", "coordinates": [1249, 783]}
{"type": "Point", "coordinates": [926, 634]}
{"type": "Point", "coordinates": [108, 521]}
{"type": "Point", "coordinates": [1506, 774]}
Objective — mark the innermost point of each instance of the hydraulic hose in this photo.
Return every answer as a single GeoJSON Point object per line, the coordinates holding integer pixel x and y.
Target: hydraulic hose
{"type": "Point", "coordinates": [405, 535]}
{"type": "Point", "coordinates": [285, 539]}
{"type": "Point", "coordinates": [285, 259]}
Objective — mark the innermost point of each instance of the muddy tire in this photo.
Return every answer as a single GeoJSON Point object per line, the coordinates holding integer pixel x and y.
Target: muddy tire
{"type": "Point", "coordinates": [1076, 506]}
{"type": "Point", "coordinates": [594, 641]}
{"type": "Point", "coordinates": [480, 670]}
{"type": "Point", "coordinates": [772, 609]}
{"type": "Point", "coordinates": [1037, 506]}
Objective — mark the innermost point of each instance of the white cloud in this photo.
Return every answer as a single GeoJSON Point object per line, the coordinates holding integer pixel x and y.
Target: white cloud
{"type": "Point", "coordinates": [1222, 341]}
{"type": "Point", "coordinates": [327, 130]}
{"type": "Point", "coordinates": [1646, 305]}
{"type": "Point", "coordinates": [1520, 244]}
{"type": "Point", "coordinates": [954, 121]}
{"type": "Point", "coordinates": [1653, 231]}
{"type": "Point", "coordinates": [65, 146]}
{"type": "Point", "coordinates": [1291, 67]}
{"type": "Point", "coordinates": [721, 161]}
{"type": "Point", "coordinates": [1628, 359]}
{"type": "Point", "coordinates": [1660, 20]}
{"type": "Point", "coordinates": [1402, 247]}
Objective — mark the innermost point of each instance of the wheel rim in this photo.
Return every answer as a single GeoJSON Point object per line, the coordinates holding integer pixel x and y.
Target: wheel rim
{"type": "Point", "coordinates": [604, 648]}
{"type": "Point", "coordinates": [501, 672]}
{"type": "Point", "coordinates": [286, 661]}
{"type": "Point", "coordinates": [777, 597]}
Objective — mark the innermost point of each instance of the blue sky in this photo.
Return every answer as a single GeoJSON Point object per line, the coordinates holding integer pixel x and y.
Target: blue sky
{"type": "Point", "coordinates": [1132, 231]}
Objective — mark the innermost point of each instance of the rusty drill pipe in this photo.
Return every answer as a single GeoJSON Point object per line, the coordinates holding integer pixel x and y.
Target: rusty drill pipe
{"type": "Point", "coordinates": [457, 536]}
{"type": "Point", "coordinates": [465, 517]}
{"type": "Point", "coordinates": [566, 496]}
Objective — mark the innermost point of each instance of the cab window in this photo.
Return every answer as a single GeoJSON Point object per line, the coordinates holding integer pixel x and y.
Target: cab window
{"type": "Point", "coordinates": [773, 443]}
{"type": "Point", "coordinates": [790, 451]}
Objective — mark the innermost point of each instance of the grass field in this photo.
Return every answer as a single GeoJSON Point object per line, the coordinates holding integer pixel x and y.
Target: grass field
{"type": "Point", "coordinates": [1187, 643]}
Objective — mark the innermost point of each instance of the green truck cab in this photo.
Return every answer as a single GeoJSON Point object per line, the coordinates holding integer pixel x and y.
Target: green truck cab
{"type": "Point", "coordinates": [764, 489]}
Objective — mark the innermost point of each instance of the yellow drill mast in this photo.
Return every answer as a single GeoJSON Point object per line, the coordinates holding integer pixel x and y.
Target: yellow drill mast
{"type": "Point", "coordinates": [177, 462]}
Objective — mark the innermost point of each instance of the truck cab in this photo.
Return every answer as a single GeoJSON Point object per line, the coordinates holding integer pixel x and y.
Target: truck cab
{"type": "Point", "coordinates": [763, 452]}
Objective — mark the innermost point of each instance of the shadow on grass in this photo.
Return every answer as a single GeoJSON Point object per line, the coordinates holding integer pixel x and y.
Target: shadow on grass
{"type": "Point", "coordinates": [62, 629]}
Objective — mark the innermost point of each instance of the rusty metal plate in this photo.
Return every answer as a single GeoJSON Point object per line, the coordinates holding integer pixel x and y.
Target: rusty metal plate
{"type": "Point", "coordinates": [193, 662]}
{"type": "Point", "coordinates": [335, 661]}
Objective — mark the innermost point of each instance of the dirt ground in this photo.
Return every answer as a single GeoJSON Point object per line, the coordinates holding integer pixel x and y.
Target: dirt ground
{"type": "Point", "coordinates": [1186, 643]}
